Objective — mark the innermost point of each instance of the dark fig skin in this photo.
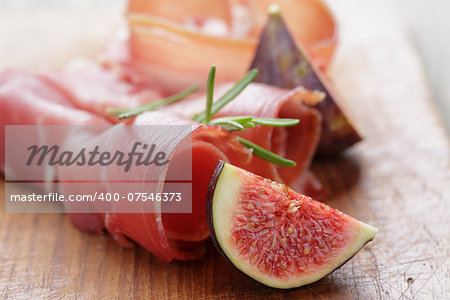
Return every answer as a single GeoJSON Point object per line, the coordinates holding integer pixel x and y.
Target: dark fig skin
{"type": "Point", "coordinates": [209, 213]}
{"type": "Point", "coordinates": [209, 200]}
{"type": "Point", "coordinates": [283, 62]}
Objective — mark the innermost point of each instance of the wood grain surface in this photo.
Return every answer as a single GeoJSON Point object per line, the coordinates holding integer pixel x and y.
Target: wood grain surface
{"type": "Point", "coordinates": [397, 179]}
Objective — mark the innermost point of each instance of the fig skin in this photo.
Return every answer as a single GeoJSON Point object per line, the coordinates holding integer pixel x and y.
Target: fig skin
{"type": "Point", "coordinates": [209, 203]}
{"type": "Point", "coordinates": [367, 235]}
{"type": "Point", "coordinates": [209, 213]}
{"type": "Point", "coordinates": [283, 62]}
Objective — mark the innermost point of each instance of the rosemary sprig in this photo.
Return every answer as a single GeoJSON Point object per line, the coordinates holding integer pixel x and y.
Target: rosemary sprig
{"type": "Point", "coordinates": [235, 90]}
{"type": "Point", "coordinates": [240, 123]}
{"type": "Point", "coordinates": [128, 113]}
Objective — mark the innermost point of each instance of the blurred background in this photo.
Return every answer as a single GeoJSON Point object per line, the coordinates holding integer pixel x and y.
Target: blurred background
{"type": "Point", "coordinates": [46, 33]}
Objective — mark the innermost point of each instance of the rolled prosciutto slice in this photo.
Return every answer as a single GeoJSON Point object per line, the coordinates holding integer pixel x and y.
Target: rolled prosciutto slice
{"type": "Point", "coordinates": [259, 100]}
{"type": "Point", "coordinates": [182, 232]}
{"type": "Point", "coordinates": [167, 235]}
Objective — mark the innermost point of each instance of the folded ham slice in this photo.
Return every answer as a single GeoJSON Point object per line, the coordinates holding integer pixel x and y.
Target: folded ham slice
{"type": "Point", "coordinates": [27, 99]}
{"type": "Point", "coordinates": [96, 87]}
{"type": "Point", "coordinates": [297, 143]}
{"type": "Point", "coordinates": [167, 235]}
{"type": "Point", "coordinates": [180, 236]}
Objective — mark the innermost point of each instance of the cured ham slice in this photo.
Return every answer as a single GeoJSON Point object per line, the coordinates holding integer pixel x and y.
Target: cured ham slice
{"type": "Point", "coordinates": [27, 99]}
{"type": "Point", "coordinates": [166, 37]}
{"type": "Point", "coordinates": [95, 87]}
{"type": "Point", "coordinates": [179, 11]}
{"type": "Point", "coordinates": [209, 144]}
{"type": "Point", "coordinates": [15, 81]}
{"type": "Point", "coordinates": [168, 235]}
{"type": "Point", "coordinates": [259, 100]}
{"type": "Point", "coordinates": [30, 99]}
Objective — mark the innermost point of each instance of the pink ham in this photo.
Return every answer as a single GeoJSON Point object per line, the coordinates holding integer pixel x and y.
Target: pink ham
{"type": "Point", "coordinates": [182, 232]}
{"type": "Point", "coordinates": [27, 99]}
{"type": "Point", "coordinates": [95, 87]}
{"type": "Point", "coordinates": [169, 235]}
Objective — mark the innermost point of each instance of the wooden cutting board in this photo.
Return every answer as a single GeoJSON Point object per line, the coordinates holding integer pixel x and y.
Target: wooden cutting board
{"type": "Point", "coordinates": [397, 179]}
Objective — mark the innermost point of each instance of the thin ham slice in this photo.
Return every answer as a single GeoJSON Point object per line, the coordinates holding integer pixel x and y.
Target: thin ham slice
{"type": "Point", "coordinates": [209, 144]}
{"type": "Point", "coordinates": [96, 87]}
{"type": "Point", "coordinates": [16, 81]}
{"type": "Point", "coordinates": [167, 235]}
{"type": "Point", "coordinates": [27, 99]}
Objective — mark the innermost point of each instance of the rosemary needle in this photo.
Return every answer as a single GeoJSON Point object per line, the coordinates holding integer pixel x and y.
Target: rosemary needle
{"type": "Point", "coordinates": [229, 125]}
{"type": "Point", "coordinates": [250, 122]}
{"type": "Point", "coordinates": [276, 122]}
{"type": "Point", "coordinates": [209, 93]}
{"type": "Point", "coordinates": [266, 154]}
{"type": "Point", "coordinates": [128, 113]}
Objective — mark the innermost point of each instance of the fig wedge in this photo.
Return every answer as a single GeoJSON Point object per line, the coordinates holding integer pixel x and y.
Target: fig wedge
{"type": "Point", "coordinates": [276, 236]}
{"type": "Point", "coordinates": [284, 63]}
